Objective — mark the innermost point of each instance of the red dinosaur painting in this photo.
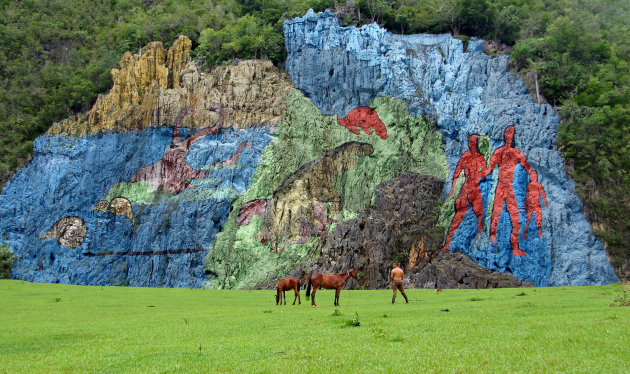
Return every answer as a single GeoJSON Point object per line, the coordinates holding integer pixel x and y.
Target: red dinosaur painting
{"type": "Point", "coordinates": [365, 118]}
{"type": "Point", "coordinates": [172, 172]}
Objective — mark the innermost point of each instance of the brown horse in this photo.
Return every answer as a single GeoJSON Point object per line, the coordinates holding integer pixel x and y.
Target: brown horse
{"type": "Point", "coordinates": [329, 281]}
{"type": "Point", "coordinates": [287, 284]}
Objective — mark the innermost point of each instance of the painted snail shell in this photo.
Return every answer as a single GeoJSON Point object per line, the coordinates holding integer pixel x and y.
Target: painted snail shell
{"type": "Point", "coordinates": [69, 231]}
{"type": "Point", "coordinates": [121, 206]}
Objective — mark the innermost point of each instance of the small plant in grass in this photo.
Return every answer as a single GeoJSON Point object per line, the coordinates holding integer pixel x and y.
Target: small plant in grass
{"type": "Point", "coordinates": [622, 299]}
{"type": "Point", "coordinates": [379, 333]}
{"type": "Point", "coordinates": [354, 321]}
{"type": "Point", "coordinates": [475, 299]}
{"type": "Point", "coordinates": [57, 299]}
{"type": "Point", "coordinates": [521, 294]}
{"type": "Point", "coordinates": [336, 313]}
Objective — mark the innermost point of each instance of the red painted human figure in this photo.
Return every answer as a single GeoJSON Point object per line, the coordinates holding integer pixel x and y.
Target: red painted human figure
{"type": "Point", "coordinates": [472, 163]}
{"type": "Point", "coordinates": [506, 157]}
{"type": "Point", "coordinates": [532, 202]}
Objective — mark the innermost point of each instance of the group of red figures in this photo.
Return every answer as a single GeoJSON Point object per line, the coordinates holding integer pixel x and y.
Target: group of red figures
{"type": "Point", "coordinates": [506, 158]}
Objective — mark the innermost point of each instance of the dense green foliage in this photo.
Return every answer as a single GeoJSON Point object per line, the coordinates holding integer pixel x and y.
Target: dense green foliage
{"type": "Point", "coordinates": [55, 58]}
{"type": "Point", "coordinates": [6, 261]}
{"type": "Point", "coordinates": [60, 328]}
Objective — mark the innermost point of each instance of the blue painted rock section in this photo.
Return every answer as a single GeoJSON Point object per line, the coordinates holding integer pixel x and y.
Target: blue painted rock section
{"type": "Point", "coordinates": [151, 238]}
{"type": "Point", "coordinates": [466, 93]}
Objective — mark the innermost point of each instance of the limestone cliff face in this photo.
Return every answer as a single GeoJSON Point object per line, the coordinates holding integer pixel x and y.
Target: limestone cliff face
{"type": "Point", "coordinates": [134, 191]}
{"type": "Point", "coordinates": [497, 213]}
{"type": "Point", "coordinates": [151, 87]}
{"type": "Point", "coordinates": [234, 178]}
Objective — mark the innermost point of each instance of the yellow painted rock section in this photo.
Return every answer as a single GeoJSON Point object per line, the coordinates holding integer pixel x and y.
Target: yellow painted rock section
{"type": "Point", "coordinates": [151, 87]}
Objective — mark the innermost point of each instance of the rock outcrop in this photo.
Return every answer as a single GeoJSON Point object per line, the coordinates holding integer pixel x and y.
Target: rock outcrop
{"type": "Point", "coordinates": [314, 175]}
{"type": "Point", "coordinates": [401, 227]}
{"type": "Point", "coordinates": [295, 205]}
{"type": "Point", "coordinates": [152, 87]}
{"type": "Point", "coordinates": [466, 93]}
{"type": "Point", "coordinates": [176, 179]}
{"type": "Point", "coordinates": [234, 178]}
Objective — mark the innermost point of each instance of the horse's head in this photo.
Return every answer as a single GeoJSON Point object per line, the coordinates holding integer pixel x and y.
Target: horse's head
{"type": "Point", "coordinates": [353, 273]}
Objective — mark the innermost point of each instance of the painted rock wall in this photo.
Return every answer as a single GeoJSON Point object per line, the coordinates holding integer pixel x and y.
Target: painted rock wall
{"type": "Point", "coordinates": [152, 238]}
{"type": "Point", "coordinates": [315, 174]}
{"type": "Point", "coordinates": [233, 179]}
{"type": "Point", "coordinates": [401, 227]}
{"type": "Point", "coordinates": [513, 177]}
{"type": "Point", "coordinates": [134, 191]}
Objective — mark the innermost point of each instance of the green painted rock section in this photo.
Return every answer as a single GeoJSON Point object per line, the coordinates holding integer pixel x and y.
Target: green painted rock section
{"type": "Point", "coordinates": [239, 259]}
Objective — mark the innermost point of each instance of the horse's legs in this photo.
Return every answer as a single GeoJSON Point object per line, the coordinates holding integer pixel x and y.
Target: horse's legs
{"type": "Point", "coordinates": [296, 293]}
{"type": "Point", "coordinates": [299, 300]}
{"type": "Point", "coordinates": [337, 292]}
{"type": "Point", "coordinates": [313, 297]}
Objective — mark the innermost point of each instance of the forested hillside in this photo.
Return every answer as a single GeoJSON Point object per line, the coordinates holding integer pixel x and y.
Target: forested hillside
{"type": "Point", "coordinates": [56, 56]}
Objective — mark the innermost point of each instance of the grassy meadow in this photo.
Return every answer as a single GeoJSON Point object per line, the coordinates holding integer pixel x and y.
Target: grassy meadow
{"type": "Point", "coordinates": [60, 328]}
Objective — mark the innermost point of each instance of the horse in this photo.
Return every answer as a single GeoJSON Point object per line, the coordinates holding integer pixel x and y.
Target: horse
{"type": "Point", "coordinates": [329, 281]}
{"type": "Point", "coordinates": [287, 284]}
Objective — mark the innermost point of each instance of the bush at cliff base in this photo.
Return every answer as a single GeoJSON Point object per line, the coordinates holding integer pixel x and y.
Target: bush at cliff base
{"type": "Point", "coordinates": [6, 261]}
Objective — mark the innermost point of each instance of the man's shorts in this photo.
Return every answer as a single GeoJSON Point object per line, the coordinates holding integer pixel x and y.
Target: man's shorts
{"type": "Point", "coordinates": [397, 284]}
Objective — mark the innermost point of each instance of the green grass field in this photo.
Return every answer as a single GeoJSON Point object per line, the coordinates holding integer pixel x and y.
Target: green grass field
{"type": "Point", "coordinates": [59, 328]}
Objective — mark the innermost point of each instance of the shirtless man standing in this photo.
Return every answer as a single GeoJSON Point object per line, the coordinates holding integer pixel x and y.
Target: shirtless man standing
{"type": "Point", "coordinates": [397, 284]}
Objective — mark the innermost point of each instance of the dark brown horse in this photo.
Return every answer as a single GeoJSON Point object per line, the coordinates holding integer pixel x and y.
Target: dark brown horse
{"type": "Point", "coordinates": [287, 284]}
{"type": "Point", "coordinates": [329, 281]}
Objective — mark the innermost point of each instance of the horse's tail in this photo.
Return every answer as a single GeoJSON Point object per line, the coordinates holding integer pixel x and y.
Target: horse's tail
{"type": "Point", "coordinates": [299, 285]}
{"type": "Point", "coordinates": [277, 295]}
{"type": "Point", "coordinates": [308, 288]}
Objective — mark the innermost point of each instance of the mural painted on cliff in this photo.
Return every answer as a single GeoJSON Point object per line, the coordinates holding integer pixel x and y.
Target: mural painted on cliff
{"type": "Point", "coordinates": [130, 235]}
{"type": "Point", "coordinates": [235, 207]}
{"type": "Point", "coordinates": [466, 92]}
{"type": "Point", "coordinates": [136, 196]}
{"type": "Point", "coordinates": [297, 206]}
{"type": "Point", "coordinates": [69, 232]}
{"type": "Point", "coordinates": [314, 175]}
{"type": "Point", "coordinates": [506, 158]}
